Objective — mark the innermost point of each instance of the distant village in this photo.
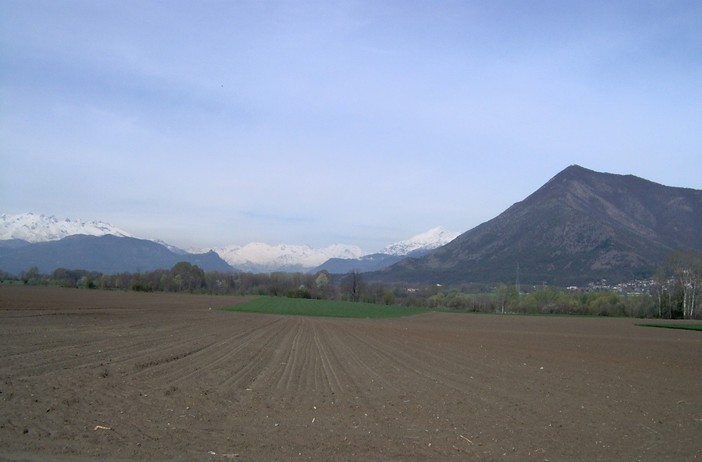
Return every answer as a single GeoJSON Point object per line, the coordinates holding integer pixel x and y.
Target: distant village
{"type": "Point", "coordinates": [635, 287]}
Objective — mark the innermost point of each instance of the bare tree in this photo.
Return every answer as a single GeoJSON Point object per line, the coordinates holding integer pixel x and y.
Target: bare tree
{"type": "Point", "coordinates": [352, 285]}
{"type": "Point", "coordinates": [686, 270]}
{"type": "Point", "coordinates": [660, 287]}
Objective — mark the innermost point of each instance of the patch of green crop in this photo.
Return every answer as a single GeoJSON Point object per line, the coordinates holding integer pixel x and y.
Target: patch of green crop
{"type": "Point", "coordinates": [332, 308]}
{"type": "Point", "coordinates": [674, 326]}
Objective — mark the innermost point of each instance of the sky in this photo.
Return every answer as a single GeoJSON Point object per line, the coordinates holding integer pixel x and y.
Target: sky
{"type": "Point", "coordinates": [215, 123]}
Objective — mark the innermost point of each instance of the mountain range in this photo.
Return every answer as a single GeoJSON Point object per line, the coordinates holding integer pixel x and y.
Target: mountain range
{"type": "Point", "coordinates": [581, 226]}
{"type": "Point", "coordinates": [106, 254]}
{"type": "Point", "coordinates": [258, 257]}
{"type": "Point", "coordinates": [29, 239]}
{"type": "Point", "coordinates": [415, 246]}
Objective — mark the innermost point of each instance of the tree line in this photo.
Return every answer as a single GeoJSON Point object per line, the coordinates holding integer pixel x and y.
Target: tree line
{"type": "Point", "coordinates": [675, 293]}
{"type": "Point", "coordinates": [190, 278]}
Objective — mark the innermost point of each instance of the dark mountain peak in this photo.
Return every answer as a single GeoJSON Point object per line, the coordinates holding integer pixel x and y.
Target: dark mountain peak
{"type": "Point", "coordinates": [573, 174]}
{"type": "Point", "coordinates": [577, 175]}
{"type": "Point", "coordinates": [580, 226]}
{"type": "Point", "coordinates": [580, 187]}
{"type": "Point", "coordinates": [575, 170]}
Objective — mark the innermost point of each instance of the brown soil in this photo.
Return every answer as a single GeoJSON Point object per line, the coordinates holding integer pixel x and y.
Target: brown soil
{"type": "Point", "coordinates": [90, 375]}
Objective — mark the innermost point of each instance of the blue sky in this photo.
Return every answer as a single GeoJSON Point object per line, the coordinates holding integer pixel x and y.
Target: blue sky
{"type": "Point", "coordinates": [316, 122]}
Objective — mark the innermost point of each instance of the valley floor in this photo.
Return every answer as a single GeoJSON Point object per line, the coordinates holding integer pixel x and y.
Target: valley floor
{"type": "Point", "coordinates": [133, 376]}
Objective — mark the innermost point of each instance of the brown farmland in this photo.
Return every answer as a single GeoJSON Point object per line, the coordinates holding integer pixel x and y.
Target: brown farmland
{"type": "Point", "coordinates": [90, 375]}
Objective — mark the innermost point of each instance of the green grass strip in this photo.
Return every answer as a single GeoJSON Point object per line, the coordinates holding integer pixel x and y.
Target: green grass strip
{"type": "Point", "coordinates": [674, 326]}
{"type": "Point", "coordinates": [332, 308]}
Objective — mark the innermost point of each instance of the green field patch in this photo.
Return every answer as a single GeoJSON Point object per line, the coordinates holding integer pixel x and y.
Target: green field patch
{"type": "Point", "coordinates": [689, 326]}
{"type": "Point", "coordinates": [332, 308]}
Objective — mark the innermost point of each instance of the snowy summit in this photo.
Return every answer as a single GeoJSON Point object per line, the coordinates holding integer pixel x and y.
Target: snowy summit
{"type": "Point", "coordinates": [40, 228]}
{"type": "Point", "coordinates": [435, 237]}
{"type": "Point", "coordinates": [258, 256]}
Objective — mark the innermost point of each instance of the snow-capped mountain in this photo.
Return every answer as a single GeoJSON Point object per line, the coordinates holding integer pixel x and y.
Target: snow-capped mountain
{"type": "Point", "coordinates": [413, 247]}
{"type": "Point", "coordinates": [253, 257]}
{"type": "Point", "coordinates": [260, 257]}
{"type": "Point", "coordinates": [41, 228]}
{"type": "Point", "coordinates": [428, 240]}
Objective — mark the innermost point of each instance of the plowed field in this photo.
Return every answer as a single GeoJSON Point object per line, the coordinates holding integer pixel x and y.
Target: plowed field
{"type": "Point", "coordinates": [90, 375]}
